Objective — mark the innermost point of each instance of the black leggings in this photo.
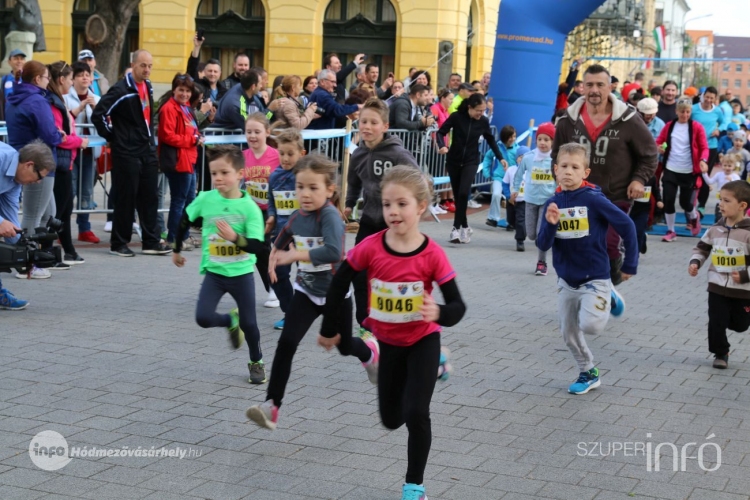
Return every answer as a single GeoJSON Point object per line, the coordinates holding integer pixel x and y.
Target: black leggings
{"type": "Point", "coordinates": [360, 280]}
{"type": "Point", "coordinates": [242, 290]}
{"type": "Point", "coordinates": [462, 177]}
{"type": "Point", "coordinates": [63, 191]}
{"type": "Point", "coordinates": [725, 312]}
{"type": "Point", "coordinates": [671, 181]}
{"type": "Point", "coordinates": [406, 380]}
{"type": "Point", "coordinates": [295, 327]}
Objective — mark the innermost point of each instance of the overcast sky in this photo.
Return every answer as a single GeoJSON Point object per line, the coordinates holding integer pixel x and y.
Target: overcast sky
{"type": "Point", "coordinates": [732, 18]}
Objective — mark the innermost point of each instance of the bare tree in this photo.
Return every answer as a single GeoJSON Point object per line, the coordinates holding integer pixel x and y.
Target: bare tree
{"type": "Point", "coordinates": [116, 18]}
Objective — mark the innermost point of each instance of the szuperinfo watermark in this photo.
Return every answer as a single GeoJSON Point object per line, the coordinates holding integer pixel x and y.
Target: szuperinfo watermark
{"type": "Point", "coordinates": [49, 451]}
{"type": "Point", "coordinates": [708, 454]}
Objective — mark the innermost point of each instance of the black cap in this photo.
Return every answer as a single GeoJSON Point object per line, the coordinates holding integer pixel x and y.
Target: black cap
{"type": "Point", "coordinates": [467, 86]}
{"type": "Point", "coordinates": [613, 79]}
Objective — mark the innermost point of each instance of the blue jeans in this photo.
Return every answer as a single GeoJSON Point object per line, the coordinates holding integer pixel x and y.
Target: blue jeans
{"type": "Point", "coordinates": [83, 177]}
{"type": "Point", "coordinates": [181, 194]}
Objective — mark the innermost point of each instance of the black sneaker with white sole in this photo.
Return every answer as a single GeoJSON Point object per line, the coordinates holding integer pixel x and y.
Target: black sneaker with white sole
{"type": "Point", "coordinates": [123, 251]}
{"type": "Point", "coordinates": [73, 259]}
{"type": "Point", "coordinates": [160, 249]}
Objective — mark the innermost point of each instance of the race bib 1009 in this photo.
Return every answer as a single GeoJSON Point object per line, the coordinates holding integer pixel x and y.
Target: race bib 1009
{"type": "Point", "coordinates": [223, 251]}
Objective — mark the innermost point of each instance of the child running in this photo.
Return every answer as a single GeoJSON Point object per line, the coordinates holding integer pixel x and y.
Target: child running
{"type": "Point", "coordinates": [260, 161]}
{"type": "Point", "coordinates": [507, 180]}
{"type": "Point", "coordinates": [537, 166]}
{"type": "Point", "coordinates": [282, 202]}
{"type": "Point", "coordinates": [494, 168]}
{"type": "Point", "coordinates": [313, 237]}
{"type": "Point", "coordinates": [401, 265]}
{"type": "Point", "coordinates": [516, 206]}
{"type": "Point", "coordinates": [232, 238]}
{"type": "Point", "coordinates": [727, 244]}
{"type": "Point", "coordinates": [728, 173]}
{"type": "Point", "coordinates": [575, 227]}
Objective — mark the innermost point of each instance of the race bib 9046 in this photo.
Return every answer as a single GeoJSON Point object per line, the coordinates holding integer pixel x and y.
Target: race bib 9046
{"type": "Point", "coordinates": [396, 302]}
{"type": "Point", "coordinates": [728, 259]}
{"type": "Point", "coordinates": [574, 223]}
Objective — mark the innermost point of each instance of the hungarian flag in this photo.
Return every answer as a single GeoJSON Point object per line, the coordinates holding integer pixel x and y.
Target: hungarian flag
{"type": "Point", "coordinates": [647, 64]}
{"type": "Point", "coordinates": [660, 35]}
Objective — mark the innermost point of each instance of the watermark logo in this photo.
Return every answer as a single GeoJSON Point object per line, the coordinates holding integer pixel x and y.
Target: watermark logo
{"type": "Point", "coordinates": [49, 451]}
{"type": "Point", "coordinates": [708, 454]}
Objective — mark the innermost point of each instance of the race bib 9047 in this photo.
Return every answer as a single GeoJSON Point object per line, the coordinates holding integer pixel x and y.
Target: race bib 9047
{"type": "Point", "coordinates": [574, 223]}
{"type": "Point", "coordinates": [728, 259]}
{"type": "Point", "coordinates": [396, 302]}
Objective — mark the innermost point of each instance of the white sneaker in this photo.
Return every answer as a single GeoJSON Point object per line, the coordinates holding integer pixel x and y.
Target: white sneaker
{"type": "Point", "coordinates": [436, 210]}
{"type": "Point", "coordinates": [440, 210]}
{"type": "Point", "coordinates": [272, 300]}
{"type": "Point", "coordinates": [454, 237]}
{"type": "Point", "coordinates": [108, 226]}
{"type": "Point", "coordinates": [464, 236]}
{"type": "Point", "coordinates": [36, 274]}
{"type": "Point", "coordinates": [469, 230]}
{"type": "Point", "coordinates": [473, 204]}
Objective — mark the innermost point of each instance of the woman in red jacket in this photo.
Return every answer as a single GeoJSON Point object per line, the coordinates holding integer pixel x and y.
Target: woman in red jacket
{"type": "Point", "coordinates": [685, 156]}
{"type": "Point", "coordinates": [179, 139]}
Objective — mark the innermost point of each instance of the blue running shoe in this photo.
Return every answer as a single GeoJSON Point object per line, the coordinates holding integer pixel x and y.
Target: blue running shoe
{"type": "Point", "coordinates": [618, 303]}
{"type": "Point", "coordinates": [279, 325]}
{"type": "Point", "coordinates": [586, 381]}
{"type": "Point", "coordinates": [413, 492]}
{"type": "Point", "coordinates": [9, 302]}
{"type": "Point", "coordinates": [444, 369]}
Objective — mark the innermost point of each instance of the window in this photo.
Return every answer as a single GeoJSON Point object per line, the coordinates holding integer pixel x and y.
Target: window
{"type": "Point", "coordinates": [377, 11]}
{"type": "Point", "coordinates": [739, 68]}
{"type": "Point", "coordinates": [703, 41]}
{"type": "Point", "coordinates": [738, 84]}
{"type": "Point", "coordinates": [231, 27]}
{"type": "Point", "coordinates": [725, 83]}
{"type": "Point", "coordinates": [658, 17]}
{"type": "Point", "coordinates": [725, 67]}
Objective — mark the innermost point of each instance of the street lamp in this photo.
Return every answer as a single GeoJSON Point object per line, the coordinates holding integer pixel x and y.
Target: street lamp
{"type": "Point", "coordinates": [685, 39]}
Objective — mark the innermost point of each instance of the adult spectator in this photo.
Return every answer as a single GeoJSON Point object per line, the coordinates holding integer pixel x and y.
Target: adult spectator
{"type": "Point", "coordinates": [28, 117]}
{"type": "Point", "coordinates": [647, 108]}
{"type": "Point", "coordinates": [651, 85]}
{"type": "Point", "coordinates": [728, 94]}
{"type": "Point", "coordinates": [621, 148]}
{"type": "Point", "coordinates": [613, 87]}
{"type": "Point", "coordinates": [656, 93]}
{"type": "Point", "coordinates": [178, 141]}
{"type": "Point", "coordinates": [409, 79]}
{"type": "Point", "coordinates": [668, 102]}
{"type": "Point", "coordinates": [291, 112]}
{"type": "Point", "coordinates": [240, 66]}
{"type": "Point", "coordinates": [99, 84]}
{"type": "Point", "coordinates": [81, 102]}
{"type": "Point", "coordinates": [360, 77]}
{"type": "Point", "coordinates": [440, 108]}
{"type": "Point", "coordinates": [211, 71]}
{"type": "Point", "coordinates": [332, 62]}
{"type": "Point", "coordinates": [372, 71]}
{"type": "Point", "coordinates": [422, 77]}
{"type": "Point", "coordinates": [406, 111]}
{"type": "Point", "coordinates": [638, 80]}
{"type": "Point", "coordinates": [328, 108]}
{"type": "Point", "coordinates": [309, 86]}
{"type": "Point", "coordinates": [397, 89]}
{"type": "Point", "coordinates": [124, 117]}
{"type": "Point", "coordinates": [16, 59]}
{"type": "Point", "coordinates": [708, 114]}
{"type": "Point", "coordinates": [726, 108]}
{"type": "Point", "coordinates": [486, 82]}
{"type": "Point", "coordinates": [464, 92]}
{"type": "Point", "coordinates": [240, 102]}
{"type": "Point", "coordinates": [561, 102]}
{"type": "Point", "coordinates": [576, 93]}
{"type": "Point", "coordinates": [263, 80]}
{"type": "Point", "coordinates": [454, 81]}
{"type": "Point", "coordinates": [28, 166]}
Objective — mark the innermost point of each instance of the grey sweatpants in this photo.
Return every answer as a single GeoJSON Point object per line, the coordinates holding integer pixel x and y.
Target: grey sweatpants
{"type": "Point", "coordinates": [583, 310]}
{"type": "Point", "coordinates": [534, 215]}
{"type": "Point", "coordinates": [38, 203]}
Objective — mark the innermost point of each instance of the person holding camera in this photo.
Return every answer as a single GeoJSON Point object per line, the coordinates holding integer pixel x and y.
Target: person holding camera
{"type": "Point", "coordinates": [406, 112]}
{"type": "Point", "coordinates": [211, 72]}
{"type": "Point", "coordinates": [327, 107]}
{"type": "Point", "coordinates": [27, 166]}
{"type": "Point", "coordinates": [372, 72]}
{"type": "Point", "coordinates": [291, 113]}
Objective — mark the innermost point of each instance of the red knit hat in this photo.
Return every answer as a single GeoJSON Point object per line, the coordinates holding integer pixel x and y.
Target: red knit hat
{"type": "Point", "coordinates": [547, 129]}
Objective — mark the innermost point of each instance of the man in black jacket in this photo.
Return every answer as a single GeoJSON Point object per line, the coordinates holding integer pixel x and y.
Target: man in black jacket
{"type": "Point", "coordinates": [124, 117]}
{"type": "Point", "coordinates": [406, 111]}
{"type": "Point", "coordinates": [212, 71]}
{"type": "Point", "coordinates": [332, 62]}
{"type": "Point", "coordinates": [241, 65]}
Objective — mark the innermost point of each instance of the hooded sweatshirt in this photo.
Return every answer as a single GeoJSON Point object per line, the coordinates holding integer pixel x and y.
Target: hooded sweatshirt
{"type": "Point", "coordinates": [366, 169]}
{"type": "Point", "coordinates": [623, 152]}
{"type": "Point", "coordinates": [728, 248]}
{"type": "Point", "coordinates": [28, 116]}
{"type": "Point", "coordinates": [713, 119]}
{"type": "Point", "coordinates": [536, 169]}
{"type": "Point", "coordinates": [579, 241]}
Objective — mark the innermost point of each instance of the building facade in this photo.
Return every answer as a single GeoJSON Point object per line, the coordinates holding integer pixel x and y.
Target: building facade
{"type": "Point", "coordinates": [733, 75]}
{"type": "Point", "coordinates": [288, 36]}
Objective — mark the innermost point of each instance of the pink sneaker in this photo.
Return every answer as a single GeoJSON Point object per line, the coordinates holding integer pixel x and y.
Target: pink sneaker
{"type": "Point", "coordinates": [371, 367]}
{"type": "Point", "coordinates": [695, 227]}
{"type": "Point", "coordinates": [669, 237]}
{"type": "Point", "coordinates": [265, 415]}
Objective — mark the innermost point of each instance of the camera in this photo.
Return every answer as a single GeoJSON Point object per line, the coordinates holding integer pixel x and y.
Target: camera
{"type": "Point", "coordinates": [27, 252]}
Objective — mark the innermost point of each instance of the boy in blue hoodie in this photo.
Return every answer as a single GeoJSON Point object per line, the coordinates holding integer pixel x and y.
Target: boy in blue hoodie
{"type": "Point", "coordinates": [575, 227]}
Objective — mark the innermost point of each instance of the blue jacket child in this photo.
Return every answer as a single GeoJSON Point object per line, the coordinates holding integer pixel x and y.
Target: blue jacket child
{"type": "Point", "coordinates": [579, 251]}
{"type": "Point", "coordinates": [725, 141]}
{"type": "Point", "coordinates": [491, 166]}
{"type": "Point", "coordinates": [521, 152]}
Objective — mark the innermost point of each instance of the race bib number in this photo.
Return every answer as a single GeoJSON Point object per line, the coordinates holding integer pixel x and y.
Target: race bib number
{"type": "Point", "coordinates": [285, 202]}
{"type": "Point", "coordinates": [646, 195]}
{"type": "Point", "coordinates": [223, 251]}
{"type": "Point", "coordinates": [521, 188]}
{"type": "Point", "coordinates": [574, 223]}
{"type": "Point", "coordinates": [396, 302]}
{"type": "Point", "coordinates": [728, 259]}
{"type": "Point", "coordinates": [541, 176]}
{"type": "Point", "coordinates": [310, 243]}
{"type": "Point", "coordinates": [258, 192]}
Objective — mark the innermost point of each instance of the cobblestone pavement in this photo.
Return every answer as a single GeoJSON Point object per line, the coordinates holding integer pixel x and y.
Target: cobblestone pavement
{"type": "Point", "coordinates": [109, 356]}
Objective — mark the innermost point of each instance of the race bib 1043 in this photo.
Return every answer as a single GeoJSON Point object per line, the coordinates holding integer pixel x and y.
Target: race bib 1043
{"type": "Point", "coordinates": [728, 259]}
{"type": "Point", "coordinates": [574, 223]}
{"type": "Point", "coordinates": [396, 302]}
{"type": "Point", "coordinates": [286, 202]}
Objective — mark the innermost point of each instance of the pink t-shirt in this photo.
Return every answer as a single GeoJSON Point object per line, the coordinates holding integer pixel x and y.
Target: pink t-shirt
{"type": "Point", "coordinates": [397, 283]}
{"type": "Point", "coordinates": [257, 172]}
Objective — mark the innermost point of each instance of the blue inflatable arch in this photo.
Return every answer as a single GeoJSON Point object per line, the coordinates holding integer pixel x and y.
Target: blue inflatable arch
{"type": "Point", "coordinates": [528, 53]}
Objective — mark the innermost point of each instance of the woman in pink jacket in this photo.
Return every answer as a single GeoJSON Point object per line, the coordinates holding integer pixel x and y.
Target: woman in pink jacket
{"type": "Point", "coordinates": [60, 81]}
